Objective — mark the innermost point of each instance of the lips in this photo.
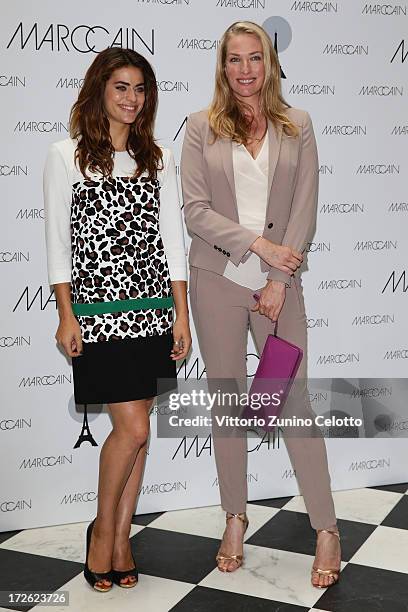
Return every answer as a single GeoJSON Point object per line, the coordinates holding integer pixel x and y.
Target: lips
{"type": "Point", "coordinates": [246, 81]}
{"type": "Point", "coordinates": [130, 109]}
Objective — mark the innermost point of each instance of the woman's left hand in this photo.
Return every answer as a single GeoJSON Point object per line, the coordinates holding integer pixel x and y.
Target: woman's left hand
{"type": "Point", "coordinates": [182, 338]}
{"type": "Point", "coordinates": [271, 300]}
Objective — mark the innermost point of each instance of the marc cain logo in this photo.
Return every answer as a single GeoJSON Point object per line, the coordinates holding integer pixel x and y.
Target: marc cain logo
{"type": "Point", "coordinates": [249, 478]}
{"type": "Point", "coordinates": [45, 381]}
{"type": "Point", "coordinates": [173, 86]}
{"type": "Point", "coordinates": [14, 257]}
{"type": "Point", "coordinates": [373, 319]}
{"type": "Point", "coordinates": [27, 300]}
{"type": "Point", "coordinates": [319, 322]}
{"type": "Point", "coordinates": [42, 127]}
{"type": "Point", "coordinates": [14, 341]}
{"type": "Point", "coordinates": [344, 130]}
{"type": "Point", "coordinates": [49, 461]}
{"type": "Point", "coordinates": [13, 170]}
{"type": "Point", "coordinates": [9, 424]}
{"type": "Point", "coordinates": [198, 44]}
{"type": "Point", "coordinates": [338, 358]}
{"type": "Point", "coordinates": [378, 169]}
{"type": "Point", "coordinates": [345, 49]}
{"type": "Point", "coordinates": [400, 53]}
{"type": "Point", "coordinates": [29, 214]}
{"type": "Point", "coordinates": [76, 498]}
{"type": "Point", "coordinates": [384, 9]}
{"type": "Point", "coordinates": [342, 283]}
{"type": "Point", "coordinates": [372, 392]}
{"type": "Point", "coordinates": [342, 208]}
{"type": "Point", "coordinates": [17, 504]}
{"type": "Point", "coordinates": [81, 38]}
{"type": "Point", "coordinates": [197, 446]}
{"type": "Point", "coordinates": [314, 7]}
{"type": "Point", "coordinates": [318, 247]}
{"type": "Point", "coordinates": [375, 245]}
{"type": "Point", "coordinates": [12, 80]}
{"type": "Point", "coordinates": [396, 354]}
{"type": "Point", "coordinates": [395, 283]}
{"type": "Point", "coordinates": [370, 464]}
{"type": "Point", "coordinates": [241, 4]}
{"type": "Point", "coordinates": [164, 487]}
{"type": "Point", "coordinates": [168, 2]}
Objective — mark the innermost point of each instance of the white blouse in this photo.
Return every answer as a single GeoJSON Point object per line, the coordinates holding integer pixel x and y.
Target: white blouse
{"type": "Point", "coordinates": [251, 188]}
{"type": "Point", "coordinates": [61, 173]}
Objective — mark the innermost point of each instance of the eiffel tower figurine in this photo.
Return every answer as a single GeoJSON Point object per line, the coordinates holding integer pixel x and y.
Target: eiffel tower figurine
{"type": "Point", "coordinates": [282, 74]}
{"type": "Point", "coordinates": [85, 435]}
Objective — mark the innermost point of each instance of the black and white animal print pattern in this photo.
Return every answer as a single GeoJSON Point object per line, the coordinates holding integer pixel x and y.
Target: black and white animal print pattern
{"type": "Point", "coordinates": [118, 254]}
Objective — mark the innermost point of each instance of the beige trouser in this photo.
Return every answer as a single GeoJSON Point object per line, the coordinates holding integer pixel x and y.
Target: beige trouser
{"type": "Point", "coordinates": [222, 314]}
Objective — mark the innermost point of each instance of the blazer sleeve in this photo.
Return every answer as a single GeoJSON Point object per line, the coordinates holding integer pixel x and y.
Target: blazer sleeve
{"type": "Point", "coordinates": [57, 209]}
{"type": "Point", "coordinates": [216, 229]}
{"type": "Point", "coordinates": [304, 204]}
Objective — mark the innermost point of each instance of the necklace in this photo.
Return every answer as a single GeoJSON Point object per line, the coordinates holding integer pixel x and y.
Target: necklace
{"type": "Point", "coordinates": [263, 135]}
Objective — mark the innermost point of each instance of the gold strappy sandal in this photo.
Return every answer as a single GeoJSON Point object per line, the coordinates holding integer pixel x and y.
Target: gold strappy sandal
{"type": "Point", "coordinates": [334, 573]}
{"type": "Point", "coordinates": [221, 556]}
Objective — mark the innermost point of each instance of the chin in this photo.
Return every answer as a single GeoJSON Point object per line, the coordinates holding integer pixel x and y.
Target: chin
{"type": "Point", "coordinates": [129, 119]}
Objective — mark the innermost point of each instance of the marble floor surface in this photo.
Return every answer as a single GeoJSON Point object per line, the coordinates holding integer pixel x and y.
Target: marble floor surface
{"type": "Point", "coordinates": [175, 551]}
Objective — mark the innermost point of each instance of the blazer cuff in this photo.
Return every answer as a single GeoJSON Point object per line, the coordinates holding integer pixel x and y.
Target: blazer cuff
{"type": "Point", "coordinates": [278, 275]}
{"type": "Point", "coordinates": [241, 254]}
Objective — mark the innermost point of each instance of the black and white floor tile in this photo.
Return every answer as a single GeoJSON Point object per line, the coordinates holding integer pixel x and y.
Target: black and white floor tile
{"type": "Point", "coordinates": [175, 554]}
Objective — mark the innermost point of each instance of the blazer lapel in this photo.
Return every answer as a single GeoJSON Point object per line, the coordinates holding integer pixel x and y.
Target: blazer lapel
{"type": "Point", "coordinates": [225, 148]}
{"type": "Point", "coordinates": [275, 137]}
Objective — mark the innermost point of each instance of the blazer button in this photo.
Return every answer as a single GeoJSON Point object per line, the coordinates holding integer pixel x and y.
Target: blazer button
{"type": "Point", "coordinates": [224, 252]}
{"type": "Point", "coordinates": [215, 246]}
{"type": "Point", "coordinates": [270, 225]}
{"type": "Point", "coordinates": [228, 254]}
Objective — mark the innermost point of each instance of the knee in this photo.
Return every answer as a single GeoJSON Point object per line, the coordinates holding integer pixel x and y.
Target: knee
{"type": "Point", "coordinates": [135, 438]}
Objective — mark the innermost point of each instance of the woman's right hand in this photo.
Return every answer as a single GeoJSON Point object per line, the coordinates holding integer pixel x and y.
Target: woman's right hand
{"type": "Point", "coordinates": [281, 257]}
{"type": "Point", "coordinates": [69, 336]}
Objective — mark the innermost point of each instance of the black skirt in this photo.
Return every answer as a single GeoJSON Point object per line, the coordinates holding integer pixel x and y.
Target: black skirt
{"type": "Point", "coordinates": [124, 370]}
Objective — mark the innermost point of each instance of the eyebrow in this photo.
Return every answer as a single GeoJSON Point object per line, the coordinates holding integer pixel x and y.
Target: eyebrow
{"type": "Point", "coordinates": [251, 53]}
{"type": "Point", "coordinates": [125, 83]}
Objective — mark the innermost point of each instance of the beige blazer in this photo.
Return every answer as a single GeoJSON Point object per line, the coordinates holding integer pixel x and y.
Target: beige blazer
{"type": "Point", "coordinates": [210, 206]}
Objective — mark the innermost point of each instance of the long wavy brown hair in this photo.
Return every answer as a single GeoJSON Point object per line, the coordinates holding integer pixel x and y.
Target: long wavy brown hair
{"type": "Point", "coordinates": [89, 123]}
{"type": "Point", "coordinates": [228, 115]}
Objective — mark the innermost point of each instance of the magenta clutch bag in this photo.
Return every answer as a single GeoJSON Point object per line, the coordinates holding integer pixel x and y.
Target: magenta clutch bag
{"type": "Point", "coordinates": [274, 377]}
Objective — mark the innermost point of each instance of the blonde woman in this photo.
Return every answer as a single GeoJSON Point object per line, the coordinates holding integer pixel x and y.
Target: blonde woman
{"type": "Point", "coordinates": [250, 182]}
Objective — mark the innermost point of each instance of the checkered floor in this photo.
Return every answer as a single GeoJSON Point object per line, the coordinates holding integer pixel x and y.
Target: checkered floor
{"type": "Point", "coordinates": [175, 555]}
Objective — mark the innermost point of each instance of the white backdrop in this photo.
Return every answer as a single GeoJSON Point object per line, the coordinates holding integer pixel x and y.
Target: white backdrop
{"type": "Point", "coordinates": [344, 62]}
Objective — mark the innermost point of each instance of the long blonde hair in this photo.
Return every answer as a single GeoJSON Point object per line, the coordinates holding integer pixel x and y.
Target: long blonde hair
{"type": "Point", "coordinates": [226, 116]}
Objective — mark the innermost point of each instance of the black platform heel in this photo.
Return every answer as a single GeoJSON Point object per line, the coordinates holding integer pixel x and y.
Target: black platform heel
{"type": "Point", "coordinates": [93, 577]}
{"type": "Point", "coordinates": [118, 575]}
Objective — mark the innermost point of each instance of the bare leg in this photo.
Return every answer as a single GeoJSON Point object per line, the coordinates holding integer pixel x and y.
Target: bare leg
{"type": "Point", "coordinates": [122, 555]}
{"type": "Point", "coordinates": [129, 434]}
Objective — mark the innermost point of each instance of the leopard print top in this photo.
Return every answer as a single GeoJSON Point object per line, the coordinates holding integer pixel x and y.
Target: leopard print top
{"type": "Point", "coordinates": [118, 254]}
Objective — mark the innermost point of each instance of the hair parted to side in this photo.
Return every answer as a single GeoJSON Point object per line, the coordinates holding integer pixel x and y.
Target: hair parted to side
{"type": "Point", "coordinates": [226, 117]}
{"type": "Point", "coordinates": [89, 124]}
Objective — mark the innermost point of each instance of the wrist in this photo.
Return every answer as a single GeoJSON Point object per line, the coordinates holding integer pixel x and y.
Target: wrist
{"type": "Point", "coordinates": [182, 315]}
{"type": "Point", "coordinates": [256, 246]}
{"type": "Point", "coordinates": [277, 284]}
{"type": "Point", "coordinates": [66, 315]}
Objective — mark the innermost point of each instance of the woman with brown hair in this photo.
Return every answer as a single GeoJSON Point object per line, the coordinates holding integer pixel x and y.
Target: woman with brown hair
{"type": "Point", "coordinates": [250, 180]}
{"type": "Point", "coordinates": [116, 260]}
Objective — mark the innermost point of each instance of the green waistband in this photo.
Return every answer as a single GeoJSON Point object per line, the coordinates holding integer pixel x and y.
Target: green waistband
{"type": "Point", "coordinates": [121, 306]}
